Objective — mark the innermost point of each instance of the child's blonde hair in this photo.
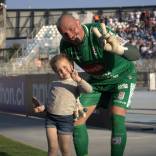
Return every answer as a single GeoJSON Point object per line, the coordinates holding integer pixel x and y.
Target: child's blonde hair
{"type": "Point", "coordinates": [57, 58]}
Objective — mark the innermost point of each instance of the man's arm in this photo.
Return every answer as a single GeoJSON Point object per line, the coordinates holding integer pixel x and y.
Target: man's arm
{"type": "Point", "coordinates": [115, 44]}
{"type": "Point", "coordinates": [132, 53]}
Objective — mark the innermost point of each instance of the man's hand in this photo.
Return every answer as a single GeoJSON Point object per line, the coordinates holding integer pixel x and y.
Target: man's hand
{"type": "Point", "coordinates": [80, 111]}
{"type": "Point", "coordinates": [108, 41]}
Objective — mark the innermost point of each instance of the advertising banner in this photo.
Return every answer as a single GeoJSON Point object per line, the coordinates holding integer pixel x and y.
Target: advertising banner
{"type": "Point", "coordinates": [16, 92]}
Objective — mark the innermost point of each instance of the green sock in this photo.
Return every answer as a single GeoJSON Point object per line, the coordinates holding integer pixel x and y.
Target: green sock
{"type": "Point", "coordinates": [119, 136]}
{"type": "Point", "coordinates": [80, 138]}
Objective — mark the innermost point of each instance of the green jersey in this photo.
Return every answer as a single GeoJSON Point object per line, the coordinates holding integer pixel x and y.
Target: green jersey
{"type": "Point", "coordinates": [103, 67]}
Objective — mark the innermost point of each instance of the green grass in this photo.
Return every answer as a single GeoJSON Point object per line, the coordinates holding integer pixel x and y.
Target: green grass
{"type": "Point", "coordinates": [9, 147]}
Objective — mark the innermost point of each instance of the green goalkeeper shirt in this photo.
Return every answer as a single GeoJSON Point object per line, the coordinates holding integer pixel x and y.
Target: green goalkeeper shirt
{"type": "Point", "coordinates": [103, 67]}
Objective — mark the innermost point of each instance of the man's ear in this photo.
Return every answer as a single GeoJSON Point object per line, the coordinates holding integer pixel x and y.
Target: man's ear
{"type": "Point", "coordinates": [78, 22]}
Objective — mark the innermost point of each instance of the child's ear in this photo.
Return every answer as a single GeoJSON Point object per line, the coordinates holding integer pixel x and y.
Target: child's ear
{"type": "Point", "coordinates": [72, 68]}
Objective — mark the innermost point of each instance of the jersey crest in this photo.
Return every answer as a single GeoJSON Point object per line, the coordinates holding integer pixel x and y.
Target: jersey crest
{"type": "Point", "coordinates": [95, 69]}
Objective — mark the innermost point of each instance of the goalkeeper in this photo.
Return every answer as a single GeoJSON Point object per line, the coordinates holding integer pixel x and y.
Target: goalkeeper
{"type": "Point", "coordinates": [108, 60]}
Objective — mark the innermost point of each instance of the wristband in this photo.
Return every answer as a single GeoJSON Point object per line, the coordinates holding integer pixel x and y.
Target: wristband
{"type": "Point", "coordinates": [106, 36]}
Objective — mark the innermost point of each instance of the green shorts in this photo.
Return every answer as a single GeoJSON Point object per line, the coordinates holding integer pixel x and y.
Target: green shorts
{"type": "Point", "coordinates": [116, 95]}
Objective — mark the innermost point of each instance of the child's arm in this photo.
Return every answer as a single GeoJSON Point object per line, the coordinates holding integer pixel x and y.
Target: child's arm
{"type": "Point", "coordinates": [75, 76]}
{"type": "Point", "coordinates": [83, 85]}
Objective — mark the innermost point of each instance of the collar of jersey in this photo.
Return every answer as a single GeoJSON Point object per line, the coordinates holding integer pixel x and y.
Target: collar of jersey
{"type": "Point", "coordinates": [86, 32]}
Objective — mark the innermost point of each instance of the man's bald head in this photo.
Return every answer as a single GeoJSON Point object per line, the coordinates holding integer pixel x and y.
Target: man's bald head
{"type": "Point", "coordinates": [65, 20]}
{"type": "Point", "coordinates": [70, 29]}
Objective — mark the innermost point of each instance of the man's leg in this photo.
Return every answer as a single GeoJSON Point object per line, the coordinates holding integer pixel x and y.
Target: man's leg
{"type": "Point", "coordinates": [80, 134]}
{"type": "Point", "coordinates": [119, 137]}
{"type": "Point", "coordinates": [121, 100]}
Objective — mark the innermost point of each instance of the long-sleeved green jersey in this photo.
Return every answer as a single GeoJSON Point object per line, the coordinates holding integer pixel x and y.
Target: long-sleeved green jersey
{"type": "Point", "coordinates": [103, 67]}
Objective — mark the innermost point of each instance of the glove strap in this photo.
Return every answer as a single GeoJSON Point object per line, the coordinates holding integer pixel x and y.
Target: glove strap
{"type": "Point", "coordinates": [106, 36]}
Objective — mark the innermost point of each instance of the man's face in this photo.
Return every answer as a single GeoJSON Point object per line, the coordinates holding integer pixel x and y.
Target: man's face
{"type": "Point", "coordinates": [72, 32]}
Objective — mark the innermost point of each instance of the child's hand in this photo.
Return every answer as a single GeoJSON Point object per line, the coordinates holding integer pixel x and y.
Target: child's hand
{"type": "Point", "coordinates": [70, 68]}
{"type": "Point", "coordinates": [75, 76]}
{"type": "Point", "coordinates": [37, 106]}
{"type": "Point", "coordinates": [36, 102]}
{"type": "Point", "coordinates": [39, 109]}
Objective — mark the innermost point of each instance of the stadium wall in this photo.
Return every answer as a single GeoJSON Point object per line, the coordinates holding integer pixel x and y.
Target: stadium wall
{"type": "Point", "coordinates": [16, 95]}
{"type": "Point", "coordinates": [16, 91]}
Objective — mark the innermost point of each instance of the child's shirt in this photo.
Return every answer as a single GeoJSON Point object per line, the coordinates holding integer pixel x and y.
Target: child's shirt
{"type": "Point", "coordinates": [63, 95]}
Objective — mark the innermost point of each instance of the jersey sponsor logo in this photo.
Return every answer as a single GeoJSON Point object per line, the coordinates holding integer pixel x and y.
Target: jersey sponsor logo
{"type": "Point", "coordinates": [123, 86]}
{"type": "Point", "coordinates": [96, 69]}
{"type": "Point", "coordinates": [116, 140]}
{"type": "Point", "coordinates": [107, 75]}
{"type": "Point", "coordinates": [121, 95]}
{"type": "Point", "coordinates": [120, 102]}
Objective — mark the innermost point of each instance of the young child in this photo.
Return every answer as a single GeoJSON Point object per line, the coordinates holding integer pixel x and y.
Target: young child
{"type": "Point", "coordinates": [63, 95]}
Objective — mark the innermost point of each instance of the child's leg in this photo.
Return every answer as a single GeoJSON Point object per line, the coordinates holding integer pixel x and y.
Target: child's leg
{"type": "Point", "coordinates": [52, 139]}
{"type": "Point", "coordinates": [65, 144]}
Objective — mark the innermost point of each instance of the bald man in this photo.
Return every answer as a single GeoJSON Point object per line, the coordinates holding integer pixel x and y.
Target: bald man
{"type": "Point", "coordinates": [112, 76]}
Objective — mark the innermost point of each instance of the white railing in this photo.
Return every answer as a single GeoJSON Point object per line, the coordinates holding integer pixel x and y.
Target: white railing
{"type": "Point", "coordinates": [45, 43]}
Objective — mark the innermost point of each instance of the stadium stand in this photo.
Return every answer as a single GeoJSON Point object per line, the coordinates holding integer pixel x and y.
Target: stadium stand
{"type": "Point", "coordinates": [136, 24]}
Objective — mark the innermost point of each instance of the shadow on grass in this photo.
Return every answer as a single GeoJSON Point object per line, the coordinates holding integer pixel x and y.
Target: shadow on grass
{"type": "Point", "coordinates": [4, 154]}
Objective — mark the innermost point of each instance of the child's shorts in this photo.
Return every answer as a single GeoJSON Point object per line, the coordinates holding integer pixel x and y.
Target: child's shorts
{"type": "Point", "coordinates": [63, 123]}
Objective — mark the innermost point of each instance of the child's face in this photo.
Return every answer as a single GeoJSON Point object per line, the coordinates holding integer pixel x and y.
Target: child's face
{"type": "Point", "coordinates": [64, 68]}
